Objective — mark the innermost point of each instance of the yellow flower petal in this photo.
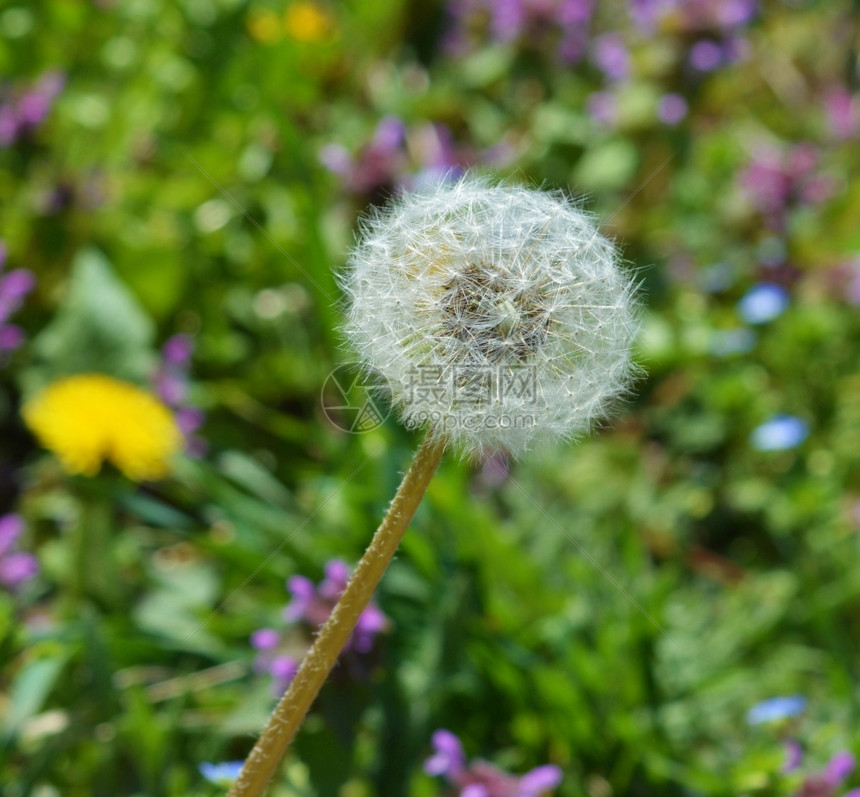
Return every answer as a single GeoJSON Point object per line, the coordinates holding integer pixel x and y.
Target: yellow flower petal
{"type": "Point", "coordinates": [89, 418]}
{"type": "Point", "coordinates": [307, 22]}
{"type": "Point", "coordinates": [264, 26]}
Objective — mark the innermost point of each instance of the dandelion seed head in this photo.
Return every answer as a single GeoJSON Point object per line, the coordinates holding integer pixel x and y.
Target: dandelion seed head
{"type": "Point", "coordinates": [498, 315]}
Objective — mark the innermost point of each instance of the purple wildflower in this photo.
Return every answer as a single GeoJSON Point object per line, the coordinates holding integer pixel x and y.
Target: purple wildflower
{"type": "Point", "coordinates": [717, 16]}
{"type": "Point", "coordinates": [336, 159]}
{"type": "Point", "coordinates": [481, 779]}
{"type": "Point", "coordinates": [189, 420]}
{"type": "Point", "coordinates": [172, 382]}
{"type": "Point", "coordinates": [725, 16]}
{"type": "Point", "coordinates": [648, 14]}
{"type": "Point", "coordinates": [531, 22]}
{"type": "Point", "coordinates": [265, 639]}
{"type": "Point", "coordinates": [397, 157]}
{"type": "Point", "coordinates": [448, 760]}
{"type": "Point", "coordinates": [735, 49]}
{"type": "Point", "coordinates": [15, 567]}
{"type": "Point", "coordinates": [793, 756]}
{"type": "Point", "coordinates": [11, 337]}
{"type": "Point", "coordinates": [767, 183]}
{"type": "Point", "coordinates": [611, 56]}
{"type": "Point", "coordinates": [14, 287]}
{"type": "Point", "coordinates": [828, 782]}
{"type": "Point", "coordinates": [437, 156]}
{"type": "Point", "coordinates": [843, 113]}
{"type": "Point", "coordinates": [311, 606]}
{"type": "Point", "coordinates": [716, 27]}
{"type": "Point", "coordinates": [840, 766]}
{"type": "Point", "coordinates": [735, 13]}
{"type": "Point", "coordinates": [776, 180]}
{"type": "Point", "coordinates": [508, 19]}
{"type": "Point", "coordinates": [706, 55]}
{"type": "Point", "coordinates": [671, 108]}
{"type": "Point", "coordinates": [602, 106]}
{"type": "Point", "coordinates": [378, 163]}
{"type": "Point", "coordinates": [282, 669]}
{"type": "Point", "coordinates": [280, 666]}
{"type": "Point", "coordinates": [26, 109]}
{"type": "Point", "coordinates": [8, 125]}
{"type": "Point", "coordinates": [178, 350]}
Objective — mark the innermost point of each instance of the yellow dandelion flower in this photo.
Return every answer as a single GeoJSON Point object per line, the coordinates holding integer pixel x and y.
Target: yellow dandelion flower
{"type": "Point", "coordinates": [307, 22]}
{"type": "Point", "coordinates": [88, 418]}
{"type": "Point", "coordinates": [264, 26]}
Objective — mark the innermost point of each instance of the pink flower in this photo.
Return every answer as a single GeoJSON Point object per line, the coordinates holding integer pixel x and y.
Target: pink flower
{"type": "Point", "coordinates": [15, 567]}
{"type": "Point", "coordinates": [482, 779]}
{"type": "Point", "coordinates": [28, 108]}
{"type": "Point", "coordinates": [671, 108]}
{"type": "Point", "coordinates": [777, 179]}
{"type": "Point", "coordinates": [172, 382]}
{"type": "Point", "coordinates": [611, 56]}
{"type": "Point", "coordinates": [533, 22]}
{"type": "Point", "coordinates": [14, 287]}
{"type": "Point", "coordinates": [843, 113]}
{"type": "Point", "coordinates": [311, 606]}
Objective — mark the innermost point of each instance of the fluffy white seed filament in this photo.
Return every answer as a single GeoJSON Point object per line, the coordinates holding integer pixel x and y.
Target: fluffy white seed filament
{"type": "Point", "coordinates": [498, 315]}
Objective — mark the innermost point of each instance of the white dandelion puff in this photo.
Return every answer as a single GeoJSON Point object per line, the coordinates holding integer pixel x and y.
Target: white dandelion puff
{"type": "Point", "coordinates": [500, 318]}
{"type": "Point", "coordinates": [498, 315]}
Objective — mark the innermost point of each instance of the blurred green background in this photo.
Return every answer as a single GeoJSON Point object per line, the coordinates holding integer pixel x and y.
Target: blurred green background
{"type": "Point", "coordinates": [196, 168]}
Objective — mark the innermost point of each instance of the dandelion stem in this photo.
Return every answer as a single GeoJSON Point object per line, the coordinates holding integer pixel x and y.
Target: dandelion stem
{"type": "Point", "coordinates": [284, 723]}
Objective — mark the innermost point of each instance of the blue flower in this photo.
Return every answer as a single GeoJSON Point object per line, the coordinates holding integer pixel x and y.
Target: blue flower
{"type": "Point", "coordinates": [775, 709]}
{"type": "Point", "coordinates": [221, 774]}
{"type": "Point", "coordinates": [779, 433]}
{"type": "Point", "coordinates": [763, 302]}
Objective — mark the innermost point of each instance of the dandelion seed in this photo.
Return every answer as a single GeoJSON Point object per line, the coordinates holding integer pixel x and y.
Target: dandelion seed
{"type": "Point", "coordinates": [499, 315]}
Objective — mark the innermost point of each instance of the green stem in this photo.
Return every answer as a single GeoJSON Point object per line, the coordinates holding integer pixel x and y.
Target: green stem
{"type": "Point", "coordinates": [263, 760]}
{"type": "Point", "coordinates": [93, 574]}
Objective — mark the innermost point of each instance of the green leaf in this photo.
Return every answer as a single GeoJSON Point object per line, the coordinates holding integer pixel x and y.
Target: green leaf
{"type": "Point", "coordinates": [178, 608]}
{"type": "Point", "coordinates": [248, 473]}
{"type": "Point", "coordinates": [29, 691]}
{"type": "Point", "coordinates": [607, 166]}
{"type": "Point", "coordinates": [99, 327]}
